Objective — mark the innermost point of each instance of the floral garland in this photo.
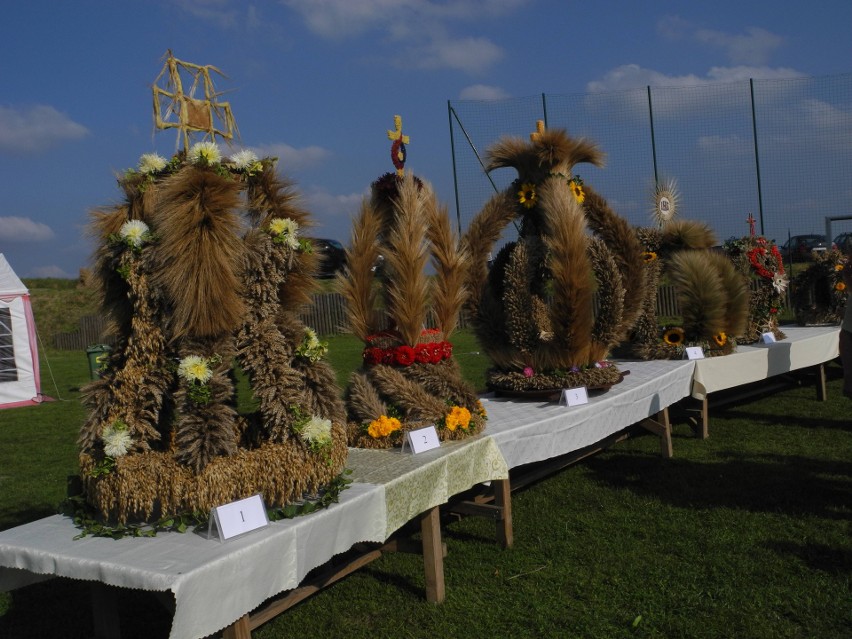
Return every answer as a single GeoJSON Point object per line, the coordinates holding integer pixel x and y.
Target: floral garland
{"type": "Point", "coordinates": [430, 350]}
{"type": "Point", "coordinates": [819, 292]}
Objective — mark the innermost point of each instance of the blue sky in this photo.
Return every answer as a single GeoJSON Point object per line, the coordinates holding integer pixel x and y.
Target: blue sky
{"type": "Point", "coordinates": [317, 83]}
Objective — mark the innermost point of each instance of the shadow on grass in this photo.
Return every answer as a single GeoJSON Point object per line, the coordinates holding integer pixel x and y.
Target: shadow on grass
{"type": "Point", "coordinates": [11, 517]}
{"type": "Point", "coordinates": [70, 612]}
{"type": "Point", "coordinates": [835, 561]}
{"type": "Point", "coordinates": [790, 484]}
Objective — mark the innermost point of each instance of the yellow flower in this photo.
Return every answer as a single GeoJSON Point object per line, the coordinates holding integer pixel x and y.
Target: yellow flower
{"type": "Point", "coordinates": [721, 339]}
{"type": "Point", "coordinates": [526, 195]}
{"type": "Point", "coordinates": [673, 336]}
{"type": "Point", "coordinates": [383, 426]}
{"type": "Point", "coordinates": [840, 286]}
{"type": "Point", "coordinates": [649, 256]}
{"type": "Point", "coordinates": [577, 190]}
{"type": "Point", "coordinates": [285, 231]}
{"type": "Point", "coordinates": [458, 417]}
{"type": "Point", "coordinates": [838, 267]}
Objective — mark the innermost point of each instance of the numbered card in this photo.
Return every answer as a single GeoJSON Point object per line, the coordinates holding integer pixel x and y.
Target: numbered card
{"type": "Point", "coordinates": [422, 439]}
{"type": "Point", "coordinates": [768, 338]}
{"type": "Point", "coordinates": [574, 396]}
{"type": "Point", "coordinates": [694, 352]}
{"type": "Point", "coordinates": [239, 517]}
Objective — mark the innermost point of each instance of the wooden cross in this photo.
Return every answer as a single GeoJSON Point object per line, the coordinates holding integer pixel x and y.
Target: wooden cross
{"type": "Point", "coordinates": [398, 152]}
{"type": "Point", "coordinates": [751, 222]}
{"type": "Point", "coordinates": [535, 136]}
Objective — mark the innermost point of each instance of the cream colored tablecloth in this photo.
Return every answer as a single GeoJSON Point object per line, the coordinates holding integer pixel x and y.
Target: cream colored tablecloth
{"type": "Point", "coordinates": [804, 346]}
{"type": "Point", "coordinates": [531, 431]}
{"type": "Point", "coordinates": [413, 484]}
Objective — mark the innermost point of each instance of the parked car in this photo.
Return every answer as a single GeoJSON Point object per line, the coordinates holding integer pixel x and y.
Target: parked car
{"type": "Point", "coordinates": [843, 242]}
{"type": "Point", "coordinates": [332, 256]}
{"type": "Point", "coordinates": [801, 248]}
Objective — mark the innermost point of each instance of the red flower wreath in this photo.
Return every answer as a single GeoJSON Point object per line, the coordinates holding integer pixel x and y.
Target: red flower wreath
{"type": "Point", "coordinates": [404, 355]}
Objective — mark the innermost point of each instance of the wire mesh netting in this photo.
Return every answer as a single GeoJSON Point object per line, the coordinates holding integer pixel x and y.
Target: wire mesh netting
{"type": "Point", "coordinates": [779, 150]}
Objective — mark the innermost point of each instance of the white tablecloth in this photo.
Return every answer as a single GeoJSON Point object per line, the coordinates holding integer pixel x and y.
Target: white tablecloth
{"type": "Point", "coordinates": [213, 583]}
{"type": "Point", "coordinates": [531, 431]}
{"type": "Point", "coordinates": [804, 346]}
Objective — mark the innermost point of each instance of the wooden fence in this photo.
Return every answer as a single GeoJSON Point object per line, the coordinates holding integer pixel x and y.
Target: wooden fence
{"type": "Point", "coordinates": [327, 315]}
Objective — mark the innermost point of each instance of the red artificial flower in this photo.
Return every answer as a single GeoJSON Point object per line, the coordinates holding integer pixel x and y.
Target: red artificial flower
{"type": "Point", "coordinates": [435, 353]}
{"type": "Point", "coordinates": [421, 353]}
{"type": "Point", "coordinates": [447, 350]}
{"type": "Point", "coordinates": [404, 355]}
{"type": "Point", "coordinates": [373, 355]}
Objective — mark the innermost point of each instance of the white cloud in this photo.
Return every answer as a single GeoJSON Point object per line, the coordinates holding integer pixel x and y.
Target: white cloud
{"type": "Point", "coordinates": [419, 31]}
{"type": "Point", "coordinates": [292, 159]}
{"type": "Point", "coordinates": [471, 55]}
{"type": "Point", "coordinates": [23, 229]}
{"type": "Point", "coordinates": [483, 92]}
{"type": "Point", "coordinates": [50, 271]}
{"type": "Point", "coordinates": [727, 145]}
{"type": "Point", "coordinates": [217, 12]}
{"type": "Point", "coordinates": [36, 128]}
{"type": "Point", "coordinates": [632, 76]}
{"type": "Point", "coordinates": [752, 48]}
{"type": "Point", "coordinates": [343, 18]}
{"type": "Point", "coordinates": [323, 204]}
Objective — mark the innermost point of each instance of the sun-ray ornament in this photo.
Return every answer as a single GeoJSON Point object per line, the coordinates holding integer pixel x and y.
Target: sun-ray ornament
{"type": "Point", "coordinates": [666, 198]}
{"type": "Point", "coordinates": [175, 107]}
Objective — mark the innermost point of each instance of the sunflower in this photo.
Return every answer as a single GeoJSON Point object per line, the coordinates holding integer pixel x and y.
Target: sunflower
{"type": "Point", "coordinates": [526, 195]}
{"type": "Point", "coordinates": [840, 286]}
{"type": "Point", "coordinates": [649, 256]}
{"type": "Point", "coordinates": [673, 336]}
{"type": "Point", "coordinates": [577, 190]}
{"type": "Point", "coordinates": [721, 339]}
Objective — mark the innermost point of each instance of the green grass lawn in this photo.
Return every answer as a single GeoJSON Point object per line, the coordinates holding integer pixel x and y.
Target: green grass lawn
{"type": "Point", "coordinates": [746, 534]}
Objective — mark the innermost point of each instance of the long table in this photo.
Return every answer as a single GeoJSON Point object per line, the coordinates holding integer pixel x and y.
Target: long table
{"type": "Point", "coordinates": [390, 489]}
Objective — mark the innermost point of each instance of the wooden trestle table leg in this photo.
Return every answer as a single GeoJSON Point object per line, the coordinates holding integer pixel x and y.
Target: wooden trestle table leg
{"type": "Point", "coordinates": [240, 629]}
{"type": "Point", "coordinates": [503, 500]}
{"type": "Point", "coordinates": [822, 394]}
{"type": "Point", "coordinates": [660, 425]}
{"type": "Point", "coordinates": [433, 555]}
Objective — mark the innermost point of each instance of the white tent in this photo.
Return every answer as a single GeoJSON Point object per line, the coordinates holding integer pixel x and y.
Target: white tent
{"type": "Point", "coordinates": [20, 384]}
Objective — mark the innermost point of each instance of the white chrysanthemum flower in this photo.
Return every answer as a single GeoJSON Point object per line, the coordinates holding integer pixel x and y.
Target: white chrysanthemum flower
{"type": "Point", "coordinates": [244, 160]}
{"type": "Point", "coordinates": [780, 282]}
{"type": "Point", "coordinates": [151, 163]}
{"type": "Point", "coordinates": [317, 430]}
{"type": "Point", "coordinates": [205, 153]}
{"type": "Point", "coordinates": [193, 368]}
{"type": "Point", "coordinates": [117, 440]}
{"type": "Point", "coordinates": [311, 339]}
{"type": "Point", "coordinates": [286, 229]}
{"type": "Point", "coordinates": [134, 232]}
